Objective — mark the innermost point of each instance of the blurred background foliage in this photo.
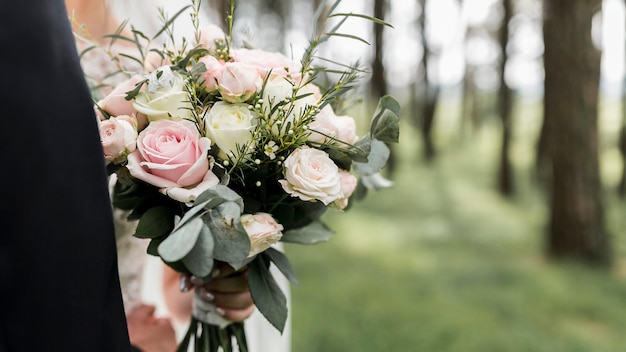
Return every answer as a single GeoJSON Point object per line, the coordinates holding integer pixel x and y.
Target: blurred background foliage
{"type": "Point", "coordinates": [504, 230]}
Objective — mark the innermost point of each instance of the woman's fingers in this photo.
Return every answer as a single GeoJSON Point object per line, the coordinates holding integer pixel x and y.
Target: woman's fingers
{"type": "Point", "coordinates": [236, 315]}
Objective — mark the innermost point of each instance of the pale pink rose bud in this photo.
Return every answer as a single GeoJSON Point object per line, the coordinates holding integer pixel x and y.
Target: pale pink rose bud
{"type": "Point", "coordinates": [262, 230]}
{"type": "Point", "coordinates": [322, 128]}
{"type": "Point", "coordinates": [172, 156]}
{"type": "Point", "coordinates": [346, 129]}
{"type": "Point", "coordinates": [238, 82]}
{"type": "Point", "coordinates": [330, 128]}
{"type": "Point", "coordinates": [115, 103]}
{"type": "Point", "coordinates": [348, 185]}
{"type": "Point", "coordinates": [213, 74]}
{"type": "Point", "coordinates": [118, 137]}
{"type": "Point", "coordinates": [310, 174]}
{"type": "Point", "coordinates": [277, 63]}
{"type": "Point", "coordinates": [210, 36]}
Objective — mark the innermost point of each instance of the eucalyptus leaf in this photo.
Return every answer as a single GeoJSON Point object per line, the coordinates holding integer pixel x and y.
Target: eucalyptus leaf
{"type": "Point", "coordinates": [379, 154]}
{"type": "Point", "coordinates": [266, 294]}
{"type": "Point", "coordinates": [282, 263]}
{"type": "Point", "coordinates": [385, 121]}
{"type": "Point", "coordinates": [193, 212]}
{"type": "Point", "coordinates": [177, 245]}
{"type": "Point", "coordinates": [155, 222]}
{"type": "Point", "coordinates": [200, 260]}
{"type": "Point", "coordinates": [388, 128]}
{"type": "Point", "coordinates": [219, 194]}
{"type": "Point", "coordinates": [340, 158]}
{"type": "Point", "coordinates": [315, 232]}
{"type": "Point", "coordinates": [231, 240]}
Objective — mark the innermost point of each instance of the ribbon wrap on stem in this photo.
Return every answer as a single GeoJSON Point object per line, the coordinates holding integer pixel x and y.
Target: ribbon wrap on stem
{"type": "Point", "coordinates": [206, 312]}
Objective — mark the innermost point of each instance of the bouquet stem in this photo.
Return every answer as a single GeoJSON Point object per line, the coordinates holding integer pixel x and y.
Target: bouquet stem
{"type": "Point", "coordinates": [205, 337]}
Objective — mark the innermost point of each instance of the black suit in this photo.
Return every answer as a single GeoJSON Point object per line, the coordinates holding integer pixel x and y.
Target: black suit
{"type": "Point", "coordinates": [59, 288]}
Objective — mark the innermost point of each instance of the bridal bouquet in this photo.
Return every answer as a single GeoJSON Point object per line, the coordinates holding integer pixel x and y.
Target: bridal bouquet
{"type": "Point", "coordinates": [221, 152]}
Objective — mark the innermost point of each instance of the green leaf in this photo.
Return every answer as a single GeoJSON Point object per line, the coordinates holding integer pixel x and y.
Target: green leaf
{"type": "Point", "coordinates": [349, 36]}
{"type": "Point", "coordinates": [379, 154]}
{"type": "Point", "coordinates": [388, 128]}
{"type": "Point", "coordinates": [340, 158]}
{"type": "Point", "coordinates": [369, 18]}
{"type": "Point", "coordinates": [153, 246]}
{"type": "Point", "coordinates": [194, 212]}
{"type": "Point", "coordinates": [199, 261]}
{"type": "Point", "coordinates": [385, 124]}
{"type": "Point", "coordinates": [167, 24]}
{"type": "Point", "coordinates": [177, 245]}
{"type": "Point", "coordinates": [155, 222]}
{"type": "Point", "coordinates": [266, 293]}
{"type": "Point", "coordinates": [313, 233]}
{"type": "Point", "coordinates": [219, 194]}
{"type": "Point", "coordinates": [232, 243]}
{"type": "Point", "coordinates": [282, 263]}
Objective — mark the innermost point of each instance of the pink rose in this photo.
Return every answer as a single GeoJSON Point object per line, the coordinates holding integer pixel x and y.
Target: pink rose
{"type": "Point", "coordinates": [346, 129]}
{"type": "Point", "coordinates": [172, 156]}
{"type": "Point", "coordinates": [323, 128]}
{"type": "Point", "coordinates": [310, 174]}
{"type": "Point", "coordinates": [238, 82]}
{"type": "Point", "coordinates": [279, 64]}
{"type": "Point", "coordinates": [328, 127]}
{"type": "Point", "coordinates": [263, 231]}
{"type": "Point", "coordinates": [348, 185]}
{"type": "Point", "coordinates": [118, 136]}
{"type": "Point", "coordinates": [115, 103]}
{"type": "Point", "coordinates": [214, 69]}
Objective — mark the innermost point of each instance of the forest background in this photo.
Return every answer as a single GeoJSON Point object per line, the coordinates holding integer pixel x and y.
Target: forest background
{"type": "Point", "coordinates": [505, 227]}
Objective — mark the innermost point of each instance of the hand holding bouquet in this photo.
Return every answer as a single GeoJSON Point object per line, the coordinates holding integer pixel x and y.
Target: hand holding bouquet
{"type": "Point", "coordinates": [221, 152]}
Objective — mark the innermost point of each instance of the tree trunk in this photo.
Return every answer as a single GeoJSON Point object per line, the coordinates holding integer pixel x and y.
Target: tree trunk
{"type": "Point", "coordinates": [622, 147]}
{"type": "Point", "coordinates": [379, 83]}
{"type": "Point", "coordinates": [430, 93]}
{"type": "Point", "coordinates": [221, 9]}
{"type": "Point", "coordinates": [572, 67]}
{"type": "Point", "coordinates": [505, 173]}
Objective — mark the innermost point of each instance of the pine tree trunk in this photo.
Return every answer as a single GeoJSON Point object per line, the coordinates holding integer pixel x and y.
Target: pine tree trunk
{"type": "Point", "coordinates": [572, 67]}
{"type": "Point", "coordinates": [379, 83]}
{"type": "Point", "coordinates": [505, 173]}
{"type": "Point", "coordinates": [430, 93]}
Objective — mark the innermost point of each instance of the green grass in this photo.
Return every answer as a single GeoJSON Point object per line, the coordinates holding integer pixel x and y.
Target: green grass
{"type": "Point", "coordinates": [441, 262]}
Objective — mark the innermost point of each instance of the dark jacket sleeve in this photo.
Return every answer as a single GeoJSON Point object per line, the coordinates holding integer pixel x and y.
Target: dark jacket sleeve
{"type": "Point", "coordinates": [59, 287]}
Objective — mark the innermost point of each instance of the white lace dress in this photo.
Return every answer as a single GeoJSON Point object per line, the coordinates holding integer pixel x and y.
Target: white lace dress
{"type": "Point", "coordinates": [131, 251]}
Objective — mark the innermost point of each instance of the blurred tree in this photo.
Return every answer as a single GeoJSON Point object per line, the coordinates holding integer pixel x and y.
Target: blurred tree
{"type": "Point", "coordinates": [572, 75]}
{"type": "Point", "coordinates": [505, 104]}
{"type": "Point", "coordinates": [430, 92]}
{"type": "Point", "coordinates": [470, 103]}
{"type": "Point", "coordinates": [220, 7]}
{"type": "Point", "coordinates": [378, 82]}
{"type": "Point", "coordinates": [622, 146]}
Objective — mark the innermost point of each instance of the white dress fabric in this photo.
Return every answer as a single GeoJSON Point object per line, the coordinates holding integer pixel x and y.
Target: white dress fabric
{"type": "Point", "coordinates": [140, 274]}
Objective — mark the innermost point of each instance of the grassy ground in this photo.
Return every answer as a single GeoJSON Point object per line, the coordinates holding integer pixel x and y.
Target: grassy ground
{"type": "Point", "coordinates": [442, 263]}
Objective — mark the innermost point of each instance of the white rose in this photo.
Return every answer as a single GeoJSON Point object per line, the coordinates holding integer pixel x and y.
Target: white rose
{"type": "Point", "coordinates": [279, 91]}
{"type": "Point", "coordinates": [118, 137]}
{"type": "Point", "coordinates": [263, 231]}
{"type": "Point", "coordinates": [230, 126]}
{"type": "Point", "coordinates": [166, 96]}
{"type": "Point", "coordinates": [310, 174]}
